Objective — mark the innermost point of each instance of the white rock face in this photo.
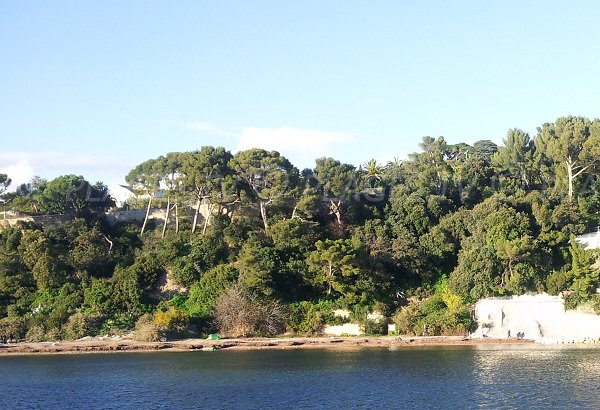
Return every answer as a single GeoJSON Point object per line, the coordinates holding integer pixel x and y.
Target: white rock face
{"type": "Point", "coordinates": [590, 240]}
{"type": "Point", "coordinates": [538, 317]}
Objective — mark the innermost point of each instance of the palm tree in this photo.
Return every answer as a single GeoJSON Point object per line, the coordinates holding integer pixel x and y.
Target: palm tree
{"type": "Point", "coordinates": [373, 172]}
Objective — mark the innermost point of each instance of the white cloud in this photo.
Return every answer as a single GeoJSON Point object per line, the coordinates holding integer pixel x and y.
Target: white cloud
{"type": "Point", "coordinates": [19, 172]}
{"type": "Point", "coordinates": [300, 145]}
{"type": "Point", "coordinates": [22, 166]}
{"type": "Point", "coordinates": [212, 129]}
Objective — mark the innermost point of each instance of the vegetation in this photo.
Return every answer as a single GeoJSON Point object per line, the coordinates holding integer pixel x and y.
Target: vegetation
{"type": "Point", "coordinates": [280, 249]}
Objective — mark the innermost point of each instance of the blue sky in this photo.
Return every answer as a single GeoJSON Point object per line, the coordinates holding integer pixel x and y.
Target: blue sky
{"type": "Point", "coordinates": [94, 88]}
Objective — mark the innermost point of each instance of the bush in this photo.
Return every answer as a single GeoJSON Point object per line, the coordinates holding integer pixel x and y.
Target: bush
{"type": "Point", "coordinates": [596, 304]}
{"type": "Point", "coordinates": [238, 313]}
{"type": "Point", "coordinates": [53, 335]}
{"type": "Point", "coordinates": [117, 325]}
{"type": "Point", "coordinates": [36, 333]}
{"type": "Point", "coordinates": [571, 300]}
{"type": "Point", "coordinates": [375, 327]}
{"type": "Point", "coordinates": [80, 325]}
{"type": "Point", "coordinates": [171, 321]}
{"type": "Point", "coordinates": [12, 328]}
{"type": "Point", "coordinates": [146, 330]}
{"type": "Point", "coordinates": [204, 294]}
{"type": "Point", "coordinates": [305, 319]}
{"type": "Point", "coordinates": [433, 317]}
{"type": "Point", "coordinates": [557, 281]}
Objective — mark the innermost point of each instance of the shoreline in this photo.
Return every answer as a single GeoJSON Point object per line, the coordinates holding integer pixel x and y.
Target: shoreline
{"type": "Point", "coordinates": [108, 345]}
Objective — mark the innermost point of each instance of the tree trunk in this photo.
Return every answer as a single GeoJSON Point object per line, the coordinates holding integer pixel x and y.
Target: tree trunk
{"type": "Point", "coordinates": [336, 210]}
{"type": "Point", "coordinates": [569, 165]}
{"type": "Point", "coordinates": [207, 218]}
{"type": "Point", "coordinates": [147, 214]}
{"type": "Point", "coordinates": [263, 213]}
{"type": "Point", "coordinates": [167, 212]}
{"type": "Point", "coordinates": [196, 215]}
{"type": "Point", "coordinates": [176, 218]}
{"type": "Point", "coordinates": [329, 277]}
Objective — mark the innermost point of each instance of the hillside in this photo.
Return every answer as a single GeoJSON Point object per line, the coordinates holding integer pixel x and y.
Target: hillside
{"type": "Point", "coordinates": [277, 249]}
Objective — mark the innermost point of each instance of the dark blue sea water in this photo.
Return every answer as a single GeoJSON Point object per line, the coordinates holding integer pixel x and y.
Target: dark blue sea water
{"type": "Point", "coordinates": [517, 377]}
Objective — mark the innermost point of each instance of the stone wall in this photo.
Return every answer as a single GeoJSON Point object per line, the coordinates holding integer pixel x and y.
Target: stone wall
{"type": "Point", "coordinates": [43, 220]}
{"type": "Point", "coordinates": [156, 215]}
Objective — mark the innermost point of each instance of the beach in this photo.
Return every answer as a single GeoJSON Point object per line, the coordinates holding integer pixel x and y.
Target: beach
{"type": "Point", "coordinates": [120, 345]}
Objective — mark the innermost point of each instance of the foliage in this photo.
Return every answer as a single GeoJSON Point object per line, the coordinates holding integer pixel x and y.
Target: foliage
{"type": "Point", "coordinates": [171, 321]}
{"type": "Point", "coordinates": [12, 328]}
{"type": "Point", "coordinates": [80, 325]}
{"type": "Point", "coordinates": [309, 318]}
{"type": "Point", "coordinates": [204, 294]}
{"type": "Point", "coordinates": [493, 220]}
{"type": "Point", "coordinates": [239, 313]}
{"type": "Point", "coordinates": [443, 313]}
{"type": "Point", "coordinates": [146, 330]}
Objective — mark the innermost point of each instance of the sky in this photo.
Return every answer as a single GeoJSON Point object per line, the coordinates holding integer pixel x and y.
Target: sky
{"type": "Point", "coordinates": [94, 88]}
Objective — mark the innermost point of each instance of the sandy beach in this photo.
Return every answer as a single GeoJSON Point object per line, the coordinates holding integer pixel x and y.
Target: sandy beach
{"type": "Point", "coordinates": [109, 345]}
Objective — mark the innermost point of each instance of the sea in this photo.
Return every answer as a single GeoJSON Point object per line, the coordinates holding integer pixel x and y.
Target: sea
{"type": "Point", "coordinates": [452, 377]}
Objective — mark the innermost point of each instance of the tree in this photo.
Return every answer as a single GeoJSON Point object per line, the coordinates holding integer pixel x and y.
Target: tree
{"type": "Point", "coordinates": [71, 194]}
{"type": "Point", "coordinates": [336, 264]}
{"type": "Point", "coordinates": [43, 259]}
{"type": "Point", "coordinates": [430, 170]}
{"type": "Point", "coordinates": [476, 275]}
{"type": "Point", "coordinates": [573, 142]}
{"type": "Point", "coordinates": [4, 183]}
{"type": "Point", "coordinates": [11, 328]}
{"type": "Point", "coordinates": [483, 149]}
{"type": "Point", "coordinates": [206, 174]}
{"type": "Point", "coordinates": [267, 176]}
{"type": "Point", "coordinates": [146, 177]}
{"type": "Point", "coordinates": [259, 262]}
{"type": "Point", "coordinates": [512, 251]}
{"type": "Point", "coordinates": [337, 183]}
{"type": "Point", "coordinates": [91, 253]}
{"type": "Point", "coordinates": [373, 172]}
{"type": "Point", "coordinates": [516, 157]}
{"type": "Point", "coordinates": [205, 293]}
{"type": "Point", "coordinates": [583, 275]}
{"type": "Point", "coordinates": [169, 168]}
{"type": "Point", "coordinates": [194, 257]}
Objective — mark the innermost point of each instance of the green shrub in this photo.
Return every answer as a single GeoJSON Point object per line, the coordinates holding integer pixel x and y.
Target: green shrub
{"type": "Point", "coordinates": [171, 321]}
{"type": "Point", "coordinates": [375, 327]}
{"type": "Point", "coordinates": [36, 333]}
{"type": "Point", "coordinates": [204, 294]}
{"type": "Point", "coordinates": [12, 328]}
{"type": "Point", "coordinates": [146, 330]}
{"type": "Point", "coordinates": [433, 316]}
{"type": "Point", "coordinates": [305, 319]}
{"type": "Point", "coordinates": [557, 281]}
{"type": "Point", "coordinates": [80, 325]}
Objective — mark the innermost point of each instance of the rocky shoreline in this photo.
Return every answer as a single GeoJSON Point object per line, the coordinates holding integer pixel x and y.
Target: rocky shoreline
{"type": "Point", "coordinates": [108, 345]}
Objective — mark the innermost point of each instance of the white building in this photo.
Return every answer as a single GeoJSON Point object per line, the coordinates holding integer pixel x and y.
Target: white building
{"type": "Point", "coordinates": [121, 194]}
